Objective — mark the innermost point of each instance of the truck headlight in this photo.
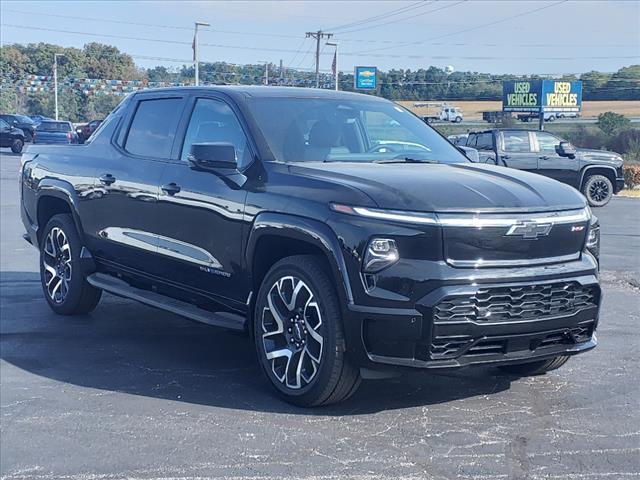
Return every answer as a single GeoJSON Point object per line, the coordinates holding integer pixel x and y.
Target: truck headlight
{"type": "Point", "coordinates": [594, 237]}
{"type": "Point", "coordinates": [380, 254]}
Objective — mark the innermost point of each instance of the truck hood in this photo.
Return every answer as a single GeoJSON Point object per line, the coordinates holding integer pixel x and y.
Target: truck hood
{"type": "Point", "coordinates": [447, 187]}
{"type": "Point", "coordinates": [599, 155]}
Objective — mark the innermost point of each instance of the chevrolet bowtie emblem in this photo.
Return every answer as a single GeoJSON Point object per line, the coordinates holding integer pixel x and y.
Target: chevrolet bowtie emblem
{"type": "Point", "coordinates": [530, 230]}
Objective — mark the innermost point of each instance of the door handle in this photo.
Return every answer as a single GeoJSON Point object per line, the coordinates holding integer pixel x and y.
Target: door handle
{"type": "Point", "coordinates": [544, 157]}
{"type": "Point", "coordinates": [107, 178]}
{"type": "Point", "coordinates": [505, 157]}
{"type": "Point", "coordinates": [170, 188]}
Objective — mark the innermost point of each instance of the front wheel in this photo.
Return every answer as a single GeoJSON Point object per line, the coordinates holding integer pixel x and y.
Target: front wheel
{"type": "Point", "coordinates": [16, 146]}
{"type": "Point", "coordinates": [299, 335]}
{"type": "Point", "coordinates": [598, 189]}
{"type": "Point", "coordinates": [64, 285]}
{"type": "Point", "coordinates": [458, 120]}
{"type": "Point", "coordinates": [535, 368]}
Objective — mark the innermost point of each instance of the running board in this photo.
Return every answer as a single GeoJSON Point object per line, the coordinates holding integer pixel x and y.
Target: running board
{"type": "Point", "coordinates": [121, 288]}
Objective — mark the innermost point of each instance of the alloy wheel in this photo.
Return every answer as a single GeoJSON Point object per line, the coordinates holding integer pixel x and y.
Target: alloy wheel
{"type": "Point", "coordinates": [292, 332]}
{"type": "Point", "coordinates": [57, 264]}
{"type": "Point", "coordinates": [599, 190]}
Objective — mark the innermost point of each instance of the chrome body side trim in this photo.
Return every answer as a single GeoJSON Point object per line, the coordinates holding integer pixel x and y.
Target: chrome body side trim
{"type": "Point", "coordinates": [169, 247]}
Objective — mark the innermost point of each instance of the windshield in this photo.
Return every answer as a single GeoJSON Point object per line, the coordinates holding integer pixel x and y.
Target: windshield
{"type": "Point", "coordinates": [24, 119]}
{"type": "Point", "coordinates": [321, 129]}
{"type": "Point", "coordinates": [54, 127]}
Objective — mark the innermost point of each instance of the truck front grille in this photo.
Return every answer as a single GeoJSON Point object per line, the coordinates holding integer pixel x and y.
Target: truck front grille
{"type": "Point", "coordinates": [446, 347]}
{"type": "Point", "coordinates": [519, 303]}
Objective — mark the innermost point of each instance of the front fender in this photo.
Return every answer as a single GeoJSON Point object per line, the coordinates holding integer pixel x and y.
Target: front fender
{"type": "Point", "coordinates": [307, 230]}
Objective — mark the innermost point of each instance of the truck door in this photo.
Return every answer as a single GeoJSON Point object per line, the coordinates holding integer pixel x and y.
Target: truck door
{"type": "Point", "coordinates": [515, 150]}
{"type": "Point", "coordinates": [123, 209]}
{"type": "Point", "coordinates": [550, 164]}
{"type": "Point", "coordinates": [200, 238]}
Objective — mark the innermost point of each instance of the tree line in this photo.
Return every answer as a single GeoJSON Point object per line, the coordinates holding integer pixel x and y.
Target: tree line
{"type": "Point", "coordinates": [100, 61]}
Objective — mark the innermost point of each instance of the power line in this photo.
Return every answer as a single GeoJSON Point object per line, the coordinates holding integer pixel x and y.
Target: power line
{"type": "Point", "coordinates": [465, 30]}
{"type": "Point", "coordinates": [153, 25]}
{"type": "Point", "coordinates": [342, 40]}
{"type": "Point", "coordinates": [388, 14]}
{"type": "Point", "coordinates": [146, 39]}
{"type": "Point", "coordinates": [405, 18]}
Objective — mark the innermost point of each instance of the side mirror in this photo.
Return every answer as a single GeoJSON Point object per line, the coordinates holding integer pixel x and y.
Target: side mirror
{"type": "Point", "coordinates": [565, 149]}
{"type": "Point", "coordinates": [471, 153]}
{"type": "Point", "coordinates": [216, 155]}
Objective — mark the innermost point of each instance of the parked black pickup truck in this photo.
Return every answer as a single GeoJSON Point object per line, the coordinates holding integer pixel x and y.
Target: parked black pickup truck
{"type": "Point", "coordinates": [343, 234]}
{"type": "Point", "coordinates": [596, 173]}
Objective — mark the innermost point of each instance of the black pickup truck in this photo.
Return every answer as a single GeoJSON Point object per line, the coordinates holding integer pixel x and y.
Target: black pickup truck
{"type": "Point", "coordinates": [596, 173]}
{"type": "Point", "coordinates": [343, 234]}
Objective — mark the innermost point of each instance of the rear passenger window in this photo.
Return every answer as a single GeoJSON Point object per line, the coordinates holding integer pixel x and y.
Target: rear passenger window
{"type": "Point", "coordinates": [517, 142]}
{"type": "Point", "coordinates": [154, 127]}
{"type": "Point", "coordinates": [485, 141]}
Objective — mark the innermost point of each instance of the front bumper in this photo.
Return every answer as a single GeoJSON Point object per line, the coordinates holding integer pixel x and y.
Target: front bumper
{"type": "Point", "coordinates": [533, 318]}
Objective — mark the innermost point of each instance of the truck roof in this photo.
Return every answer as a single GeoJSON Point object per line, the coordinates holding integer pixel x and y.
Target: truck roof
{"type": "Point", "coordinates": [503, 130]}
{"type": "Point", "coordinates": [244, 91]}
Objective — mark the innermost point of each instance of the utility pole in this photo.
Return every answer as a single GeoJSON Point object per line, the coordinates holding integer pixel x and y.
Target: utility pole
{"type": "Point", "coordinates": [319, 35]}
{"type": "Point", "coordinates": [55, 80]}
{"type": "Point", "coordinates": [266, 71]}
{"type": "Point", "coordinates": [335, 66]}
{"type": "Point", "coordinates": [196, 59]}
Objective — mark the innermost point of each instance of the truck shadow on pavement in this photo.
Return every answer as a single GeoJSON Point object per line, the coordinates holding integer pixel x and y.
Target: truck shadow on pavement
{"type": "Point", "coordinates": [130, 348]}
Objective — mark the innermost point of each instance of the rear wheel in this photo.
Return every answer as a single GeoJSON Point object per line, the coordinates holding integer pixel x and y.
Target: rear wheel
{"type": "Point", "coordinates": [535, 368]}
{"type": "Point", "coordinates": [299, 336]}
{"type": "Point", "coordinates": [458, 119]}
{"type": "Point", "coordinates": [63, 283]}
{"type": "Point", "coordinates": [16, 146]}
{"type": "Point", "coordinates": [598, 189]}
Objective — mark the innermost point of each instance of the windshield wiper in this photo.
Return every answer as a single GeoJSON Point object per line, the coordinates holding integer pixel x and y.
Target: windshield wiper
{"type": "Point", "coordinates": [406, 160]}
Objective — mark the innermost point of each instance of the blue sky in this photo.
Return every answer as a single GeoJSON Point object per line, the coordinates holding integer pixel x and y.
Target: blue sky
{"type": "Point", "coordinates": [545, 36]}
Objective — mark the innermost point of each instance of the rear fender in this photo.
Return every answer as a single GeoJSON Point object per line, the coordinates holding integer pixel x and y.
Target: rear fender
{"type": "Point", "coordinates": [55, 188]}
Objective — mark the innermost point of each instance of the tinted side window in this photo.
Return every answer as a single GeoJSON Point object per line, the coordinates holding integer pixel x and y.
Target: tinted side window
{"type": "Point", "coordinates": [154, 127]}
{"type": "Point", "coordinates": [547, 142]}
{"type": "Point", "coordinates": [485, 141]}
{"type": "Point", "coordinates": [213, 121]}
{"type": "Point", "coordinates": [516, 142]}
{"type": "Point", "coordinates": [471, 140]}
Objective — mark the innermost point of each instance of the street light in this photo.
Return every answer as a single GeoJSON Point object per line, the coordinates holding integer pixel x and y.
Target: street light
{"type": "Point", "coordinates": [196, 60]}
{"type": "Point", "coordinates": [55, 80]}
{"type": "Point", "coordinates": [266, 71]}
{"type": "Point", "coordinates": [335, 73]}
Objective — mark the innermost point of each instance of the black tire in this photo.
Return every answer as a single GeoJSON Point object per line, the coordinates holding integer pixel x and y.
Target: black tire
{"type": "Point", "coordinates": [598, 189]}
{"type": "Point", "coordinates": [458, 120]}
{"type": "Point", "coordinates": [16, 146]}
{"type": "Point", "coordinates": [333, 377]}
{"type": "Point", "coordinates": [551, 119]}
{"type": "Point", "coordinates": [74, 295]}
{"type": "Point", "coordinates": [535, 368]}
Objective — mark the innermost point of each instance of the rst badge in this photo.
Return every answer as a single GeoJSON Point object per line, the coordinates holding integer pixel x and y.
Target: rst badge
{"type": "Point", "coordinates": [530, 230]}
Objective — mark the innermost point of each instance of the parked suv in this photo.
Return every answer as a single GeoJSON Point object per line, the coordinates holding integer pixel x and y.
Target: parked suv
{"type": "Point", "coordinates": [343, 234]}
{"type": "Point", "coordinates": [11, 137]}
{"type": "Point", "coordinates": [596, 173]}
{"type": "Point", "coordinates": [22, 122]}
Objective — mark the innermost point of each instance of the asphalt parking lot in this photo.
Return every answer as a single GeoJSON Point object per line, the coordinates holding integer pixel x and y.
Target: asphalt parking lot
{"type": "Point", "coordinates": [132, 392]}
